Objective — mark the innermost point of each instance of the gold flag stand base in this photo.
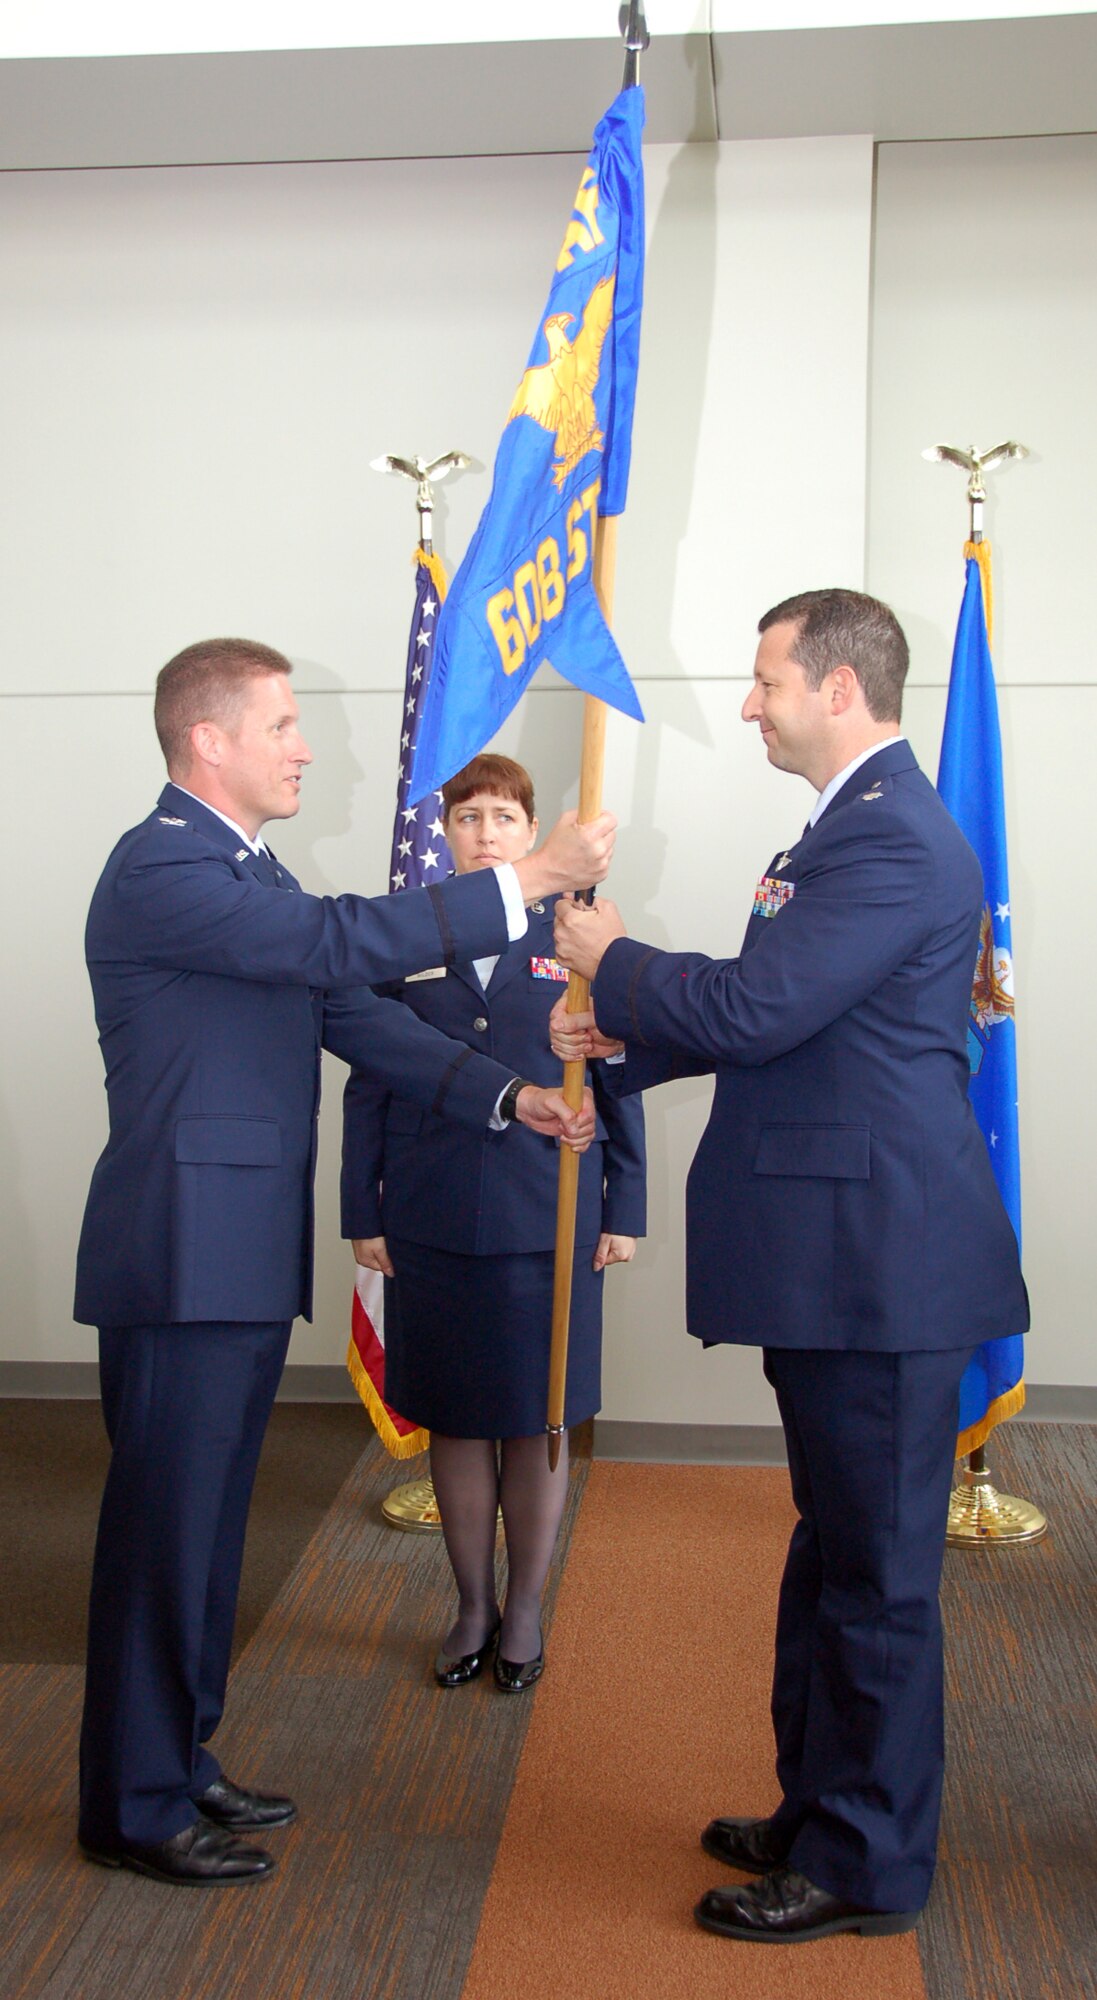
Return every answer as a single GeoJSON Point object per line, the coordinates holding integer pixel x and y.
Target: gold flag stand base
{"type": "Point", "coordinates": [413, 1506]}
{"type": "Point", "coordinates": [979, 1516]}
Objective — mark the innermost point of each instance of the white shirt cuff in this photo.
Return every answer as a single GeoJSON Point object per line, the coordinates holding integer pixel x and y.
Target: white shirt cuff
{"type": "Point", "coordinates": [514, 908]}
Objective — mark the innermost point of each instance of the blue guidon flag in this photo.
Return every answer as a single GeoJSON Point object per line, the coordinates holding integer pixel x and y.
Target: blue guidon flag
{"type": "Point", "coordinates": [524, 594]}
{"type": "Point", "coordinates": [969, 780]}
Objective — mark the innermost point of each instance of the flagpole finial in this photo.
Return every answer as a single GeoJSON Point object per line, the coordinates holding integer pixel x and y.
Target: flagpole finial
{"type": "Point", "coordinates": [426, 474]}
{"type": "Point", "coordinates": [975, 464]}
{"type": "Point", "coordinates": [634, 31]}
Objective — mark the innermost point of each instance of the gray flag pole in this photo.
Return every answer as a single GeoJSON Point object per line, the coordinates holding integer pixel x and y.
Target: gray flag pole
{"type": "Point", "coordinates": [978, 1515]}
{"type": "Point", "coordinates": [412, 1504]}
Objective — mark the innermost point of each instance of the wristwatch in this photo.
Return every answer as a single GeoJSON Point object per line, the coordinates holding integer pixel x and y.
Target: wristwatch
{"type": "Point", "coordinates": [508, 1103]}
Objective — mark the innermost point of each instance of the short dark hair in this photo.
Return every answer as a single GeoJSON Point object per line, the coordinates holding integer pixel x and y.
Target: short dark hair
{"type": "Point", "coordinates": [845, 628]}
{"type": "Point", "coordinates": [208, 682]}
{"type": "Point", "coordinates": [488, 773]}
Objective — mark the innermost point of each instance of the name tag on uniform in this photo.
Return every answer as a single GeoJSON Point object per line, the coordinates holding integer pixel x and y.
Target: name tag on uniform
{"type": "Point", "coordinates": [432, 972]}
{"type": "Point", "coordinates": [548, 968]}
{"type": "Point", "coordinates": [771, 894]}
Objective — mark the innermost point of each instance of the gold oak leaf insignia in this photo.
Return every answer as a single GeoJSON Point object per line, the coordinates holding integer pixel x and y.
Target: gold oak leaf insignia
{"type": "Point", "coordinates": [559, 395]}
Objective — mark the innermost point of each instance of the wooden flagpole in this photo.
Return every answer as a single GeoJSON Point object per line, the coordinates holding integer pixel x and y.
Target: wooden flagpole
{"type": "Point", "coordinates": [590, 804]}
{"type": "Point", "coordinates": [636, 39]}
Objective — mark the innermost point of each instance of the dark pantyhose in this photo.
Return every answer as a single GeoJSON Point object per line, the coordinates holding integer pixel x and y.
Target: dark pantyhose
{"type": "Point", "coordinates": [470, 1482]}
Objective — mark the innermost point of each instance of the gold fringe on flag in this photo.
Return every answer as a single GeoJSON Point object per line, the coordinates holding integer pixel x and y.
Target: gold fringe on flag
{"type": "Point", "coordinates": [434, 564]}
{"type": "Point", "coordinates": [396, 1446]}
{"type": "Point", "coordinates": [980, 552]}
{"type": "Point", "coordinates": [1003, 1406]}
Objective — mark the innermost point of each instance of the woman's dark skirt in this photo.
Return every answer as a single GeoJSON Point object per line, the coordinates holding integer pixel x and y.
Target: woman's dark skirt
{"type": "Point", "coordinates": [467, 1340]}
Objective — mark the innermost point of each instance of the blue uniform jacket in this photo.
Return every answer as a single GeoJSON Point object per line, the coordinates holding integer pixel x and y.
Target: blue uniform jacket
{"type": "Point", "coordinates": [841, 1196]}
{"type": "Point", "coordinates": [214, 990]}
{"type": "Point", "coordinates": [408, 1172]}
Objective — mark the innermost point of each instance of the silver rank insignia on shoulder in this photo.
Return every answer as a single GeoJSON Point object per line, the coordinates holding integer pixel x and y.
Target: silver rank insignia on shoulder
{"type": "Point", "coordinates": [782, 861]}
{"type": "Point", "coordinates": [167, 820]}
{"type": "Point", "coordinates": [432, 972]}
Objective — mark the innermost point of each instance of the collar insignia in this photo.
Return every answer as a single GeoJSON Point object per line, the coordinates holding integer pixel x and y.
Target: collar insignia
{"type": "Point", "coordinates": [166, 819]}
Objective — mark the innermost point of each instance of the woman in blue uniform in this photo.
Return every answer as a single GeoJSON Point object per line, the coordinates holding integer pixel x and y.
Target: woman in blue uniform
{"type": "Point", "coordinates": [463, 1227]}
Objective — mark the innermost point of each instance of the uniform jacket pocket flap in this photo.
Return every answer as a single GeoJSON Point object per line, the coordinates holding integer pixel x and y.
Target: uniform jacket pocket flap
{"type": "Point", "coordinates": [836, 1152]}
{"type": "Point", "coordinates": [228, 1142]}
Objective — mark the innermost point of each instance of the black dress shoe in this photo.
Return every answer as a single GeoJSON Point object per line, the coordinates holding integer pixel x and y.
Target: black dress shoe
{"type": "Point", "coordinates": [455, 1670]}
{"type": "Point", "coordinates": [514, 1676]}
{"type": "Point", "coordinates": [201, 1856]}
{"type": "Point", "coordinates": [244, 1812]}
{"type": "Point", "coordinates": [785, 1908]}
{"type": "Point", "coordinates": [744, 1843]}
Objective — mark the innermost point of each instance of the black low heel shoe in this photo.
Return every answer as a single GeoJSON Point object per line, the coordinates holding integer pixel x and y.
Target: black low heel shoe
{"type": "Point", "coordinates": [514, 1676]}
{"type": "Point", "coordinates": [455, 1670]}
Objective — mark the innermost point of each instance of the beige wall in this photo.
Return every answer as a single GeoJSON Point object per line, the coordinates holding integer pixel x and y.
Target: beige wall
{"type": "Point", "coordinates": [984, 321]}
{"type": "Point", "coordinates": [197, 365]}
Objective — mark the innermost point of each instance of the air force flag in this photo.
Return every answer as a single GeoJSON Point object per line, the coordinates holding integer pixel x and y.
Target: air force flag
{"type": "Point", "coordinates": [524, 594]}
{"type": "Point", "coordinates": [970, 783]}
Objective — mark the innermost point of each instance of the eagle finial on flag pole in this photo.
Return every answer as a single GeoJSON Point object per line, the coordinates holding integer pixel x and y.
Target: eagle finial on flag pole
{"type": "Point", "coordinates": [426, 475]}
{"type": "Point", "coordinates": [975, 464]}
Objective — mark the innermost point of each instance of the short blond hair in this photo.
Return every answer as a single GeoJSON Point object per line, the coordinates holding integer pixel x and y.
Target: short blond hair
{"type": "Point", "coordinates": [208, 682]}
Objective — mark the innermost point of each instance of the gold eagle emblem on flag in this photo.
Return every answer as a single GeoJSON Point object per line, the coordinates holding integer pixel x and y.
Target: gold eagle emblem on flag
{"type": "Point", "coordinates": [559, 395]}
{"type": "Point", "coordinates": [992, 988]}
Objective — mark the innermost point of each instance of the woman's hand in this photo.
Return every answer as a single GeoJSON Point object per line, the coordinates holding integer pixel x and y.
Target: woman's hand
{"type": "Point", "coordinates": [372, 1251]}
{"type": "Point", "coordinates": [614, 1250]}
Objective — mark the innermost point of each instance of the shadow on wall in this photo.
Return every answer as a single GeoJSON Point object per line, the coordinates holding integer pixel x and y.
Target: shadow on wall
{"type": "Point", "coordinates": [327, 805]}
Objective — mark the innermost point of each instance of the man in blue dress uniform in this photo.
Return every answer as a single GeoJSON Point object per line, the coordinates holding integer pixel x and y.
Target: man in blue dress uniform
{"type": "Point", "coordinates": [216, 983]}
{"type": "Point", "coordinates": [842, 1215]}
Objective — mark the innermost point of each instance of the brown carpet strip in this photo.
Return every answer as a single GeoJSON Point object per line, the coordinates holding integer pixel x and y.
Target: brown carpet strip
{"type": "Point", "coordinates": [652, 1716]}
{"type": "Point", "coordinates": [656, 1717]}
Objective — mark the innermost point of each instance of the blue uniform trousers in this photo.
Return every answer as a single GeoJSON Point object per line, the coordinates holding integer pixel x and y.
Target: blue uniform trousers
{"type": "Point", "coordinates": [858, 1677]}
{"type": "Point", "coordinates": [186, 1407]}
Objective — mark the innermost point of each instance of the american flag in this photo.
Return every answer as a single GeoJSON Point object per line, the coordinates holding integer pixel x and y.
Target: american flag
{"type": "Point", "coordinates": [420, 852]}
